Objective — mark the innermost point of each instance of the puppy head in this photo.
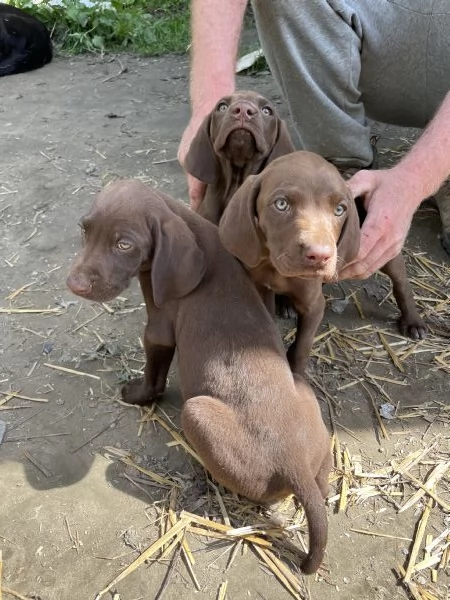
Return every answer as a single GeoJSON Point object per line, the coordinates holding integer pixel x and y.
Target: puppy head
{"type": "Point", "coordinates": [130, 228]}
{"type": "Point", "coordinates": [244, 130]}
{"type": "Point", "coordinates": [299, 214]}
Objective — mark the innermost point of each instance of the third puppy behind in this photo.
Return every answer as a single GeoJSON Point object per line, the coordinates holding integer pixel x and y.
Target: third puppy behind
{"type": "Point", "coordinates": [240, 137]}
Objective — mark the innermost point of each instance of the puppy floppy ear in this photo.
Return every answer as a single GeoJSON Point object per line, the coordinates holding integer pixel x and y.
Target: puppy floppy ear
{"type": "Point", "coordinates": [201, 160]}
{"type": "Point", "coordinates": [238, 228]}
{"type": "Point", "coordinates": [283, 144]}
{"type": "Point", "coordinates": [178, 264]}
{"type": "Point", "coordinates": [348, 244]}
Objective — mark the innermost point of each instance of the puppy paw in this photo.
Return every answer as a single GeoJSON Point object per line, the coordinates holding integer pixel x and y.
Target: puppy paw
{"type": "Point", "coordinates": [136, 392]}
{"type": "Point", "coordinates": [415, 328]}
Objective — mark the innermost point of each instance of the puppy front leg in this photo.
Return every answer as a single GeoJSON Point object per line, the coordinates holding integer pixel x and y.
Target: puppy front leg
{"type": "Point", "coordinates": [145, 390]}
{"type": "Point", "coordinates": [310, 308]}
{"type": "Point", "coordinates": [411, 323]}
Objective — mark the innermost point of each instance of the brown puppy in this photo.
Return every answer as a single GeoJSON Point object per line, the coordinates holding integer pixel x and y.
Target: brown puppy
{"type": "Point", "coordinates": [294, 226]}
{"type": "Point", "coordinates": [240, 137]}
{"type": "Point", "coordinates": [257, 427]}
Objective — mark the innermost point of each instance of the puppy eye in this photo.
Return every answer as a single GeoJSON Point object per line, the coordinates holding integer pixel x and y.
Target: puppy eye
{"type": "Point", "coordinates": [340, 210]}
{"type": "Point", "coordinates": [124, 246]}
{"type": "Point", "coordinates": [82, 227]}
{"type": "Point", "coordinates": [281, 204]}
{"type": "Point", "coordinates": [266, 110]}
{"type": "Point", "coordinates": [222, 106]}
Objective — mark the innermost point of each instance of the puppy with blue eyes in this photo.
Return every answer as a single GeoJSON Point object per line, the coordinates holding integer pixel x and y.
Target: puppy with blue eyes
{"type": "Point", "coordinates": [294, 226]}
{"type": "Point", "coordinates": [240, 137]}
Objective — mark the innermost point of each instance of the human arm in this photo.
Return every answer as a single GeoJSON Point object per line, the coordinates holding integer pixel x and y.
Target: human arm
{"type": "Point", "coordinates": [216, 27]}
{"type": "Point", "coordinates": [391, 196]}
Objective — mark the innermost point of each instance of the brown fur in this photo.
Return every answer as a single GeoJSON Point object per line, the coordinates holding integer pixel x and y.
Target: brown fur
{"type": "Point", "coordinates": [240, 137]}
{"type": "Point", "coordinates": [257, 427]}
{"type": "Point", "coordinates": [293, 251]}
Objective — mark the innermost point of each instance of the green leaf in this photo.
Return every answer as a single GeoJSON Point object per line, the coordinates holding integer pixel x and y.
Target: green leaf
{"type": "Point", "coordinates": [98, 42]}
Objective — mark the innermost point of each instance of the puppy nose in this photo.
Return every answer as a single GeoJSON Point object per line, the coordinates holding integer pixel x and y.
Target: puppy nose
{"type": "Point", "coordinates": [318, 255]}
{"type": "Point", "coordinates": [79, 284]}
{"type": "Point", "coordinates": [244, 110]}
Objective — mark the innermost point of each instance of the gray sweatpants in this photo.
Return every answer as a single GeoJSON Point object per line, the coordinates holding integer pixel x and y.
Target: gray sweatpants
{"type": "Point", "coordinates": [340, 61]}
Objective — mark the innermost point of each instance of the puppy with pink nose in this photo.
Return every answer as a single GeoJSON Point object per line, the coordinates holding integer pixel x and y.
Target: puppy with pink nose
{"type": "Point", "coordinates": [295, 226]}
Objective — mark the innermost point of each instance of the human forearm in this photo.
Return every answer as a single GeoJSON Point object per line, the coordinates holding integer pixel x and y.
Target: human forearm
{"type": "Point", "coordinates": [427, 165]}
{"type": "Point", "coordinates": [216, 28]}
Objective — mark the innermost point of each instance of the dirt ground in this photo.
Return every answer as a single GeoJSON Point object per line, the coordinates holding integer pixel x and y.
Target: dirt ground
{"type": "Point", "coordinates": [72, 515]}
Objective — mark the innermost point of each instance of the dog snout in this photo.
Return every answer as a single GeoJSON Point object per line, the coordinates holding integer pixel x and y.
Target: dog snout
{"type": "Point", "coordinates": [318, 255]}
{"type": "Point", "coordinates": [79, 284]}
{"type": "Point", "coordinates": [243, 110]}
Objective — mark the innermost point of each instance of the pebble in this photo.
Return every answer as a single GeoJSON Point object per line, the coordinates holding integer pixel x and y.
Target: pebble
{"type": "Point", "coordinates": [387, 410]}
{"type": "Point", "coordinates": [47, 347]}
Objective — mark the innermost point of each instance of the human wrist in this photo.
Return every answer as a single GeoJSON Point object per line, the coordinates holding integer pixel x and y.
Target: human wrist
{"type": "Point", "coordinates": [207, 86]}
{"type": "Point", "coordinates": [414, 182]}
{"type": "Point", "coordinates": [427, 165]}
{"type": "Point", "coordinates": [206, 95]}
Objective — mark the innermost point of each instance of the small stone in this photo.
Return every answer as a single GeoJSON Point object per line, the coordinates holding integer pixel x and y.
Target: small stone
{"type": "Point", "coordinates": [47, 347]}
{"type": "Point", "coordinates": [90, 170]}
{"type": "Point", "coordinates": [338, 306]}
{"type": "Point", "coordinates": [387, 410]}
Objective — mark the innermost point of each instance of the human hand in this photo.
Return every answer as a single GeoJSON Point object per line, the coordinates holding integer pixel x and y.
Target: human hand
{"type": "Point", "coordinates": [390, 201]}
{"type": "Point", "coordinates": [196, 187]}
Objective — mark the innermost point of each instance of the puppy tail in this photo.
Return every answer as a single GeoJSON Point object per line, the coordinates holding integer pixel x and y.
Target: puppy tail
{"type": "Point", "coordinates": [308, 493]}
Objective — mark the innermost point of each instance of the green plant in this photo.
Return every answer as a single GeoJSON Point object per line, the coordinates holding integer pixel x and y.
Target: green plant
{"type": "Point", "coordinates": [144, 26]}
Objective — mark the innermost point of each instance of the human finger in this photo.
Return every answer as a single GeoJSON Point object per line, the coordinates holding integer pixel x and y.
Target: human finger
{"type": "Point", "coordinates": [362, 183]}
